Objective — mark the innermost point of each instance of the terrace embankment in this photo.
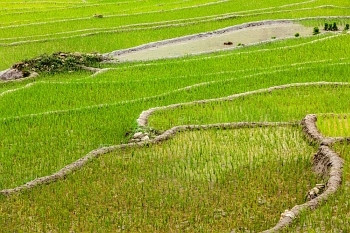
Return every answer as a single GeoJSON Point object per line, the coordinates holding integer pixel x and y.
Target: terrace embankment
{"type": "Point", "coordinates": [223, 39]}
{"type": "Point", "coordinates": [327, 164]}
{"type": "Point", "coordinates": [62, 173]}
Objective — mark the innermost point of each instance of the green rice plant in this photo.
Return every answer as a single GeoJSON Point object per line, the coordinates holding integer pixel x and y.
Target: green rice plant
{"type": "Point", "coordinates": [335, 125]}
{"type": "Point", "coordinates": [67, 114]}
{"type": "Point", "coordinates": [132, 36]}
{"type": "Point", "coordinates": [332, 216]}
{"type": "Point", "coordinates": [200, 181]}
{"type": "Point", "coordinates": [292, 105]}
{"type": "Point", "coordinates": [215, 180]}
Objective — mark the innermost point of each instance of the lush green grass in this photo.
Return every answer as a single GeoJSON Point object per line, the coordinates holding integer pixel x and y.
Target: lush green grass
{"type": "Point", "coordinates": [205, 181]}
{"type": "Point", "coordinates": [334, 125]}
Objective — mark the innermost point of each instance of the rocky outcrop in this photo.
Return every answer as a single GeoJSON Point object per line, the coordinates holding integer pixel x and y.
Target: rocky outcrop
{"type": "Point", "coordinates": [15, 74]}
{"type": "Point", "coordinates": [140, 137]}
{"type": "Point", "coordinates": [11, 74]}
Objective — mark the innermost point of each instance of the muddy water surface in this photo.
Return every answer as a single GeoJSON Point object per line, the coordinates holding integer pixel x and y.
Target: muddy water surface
{"type": "Point", "coordinates": [215, 42]}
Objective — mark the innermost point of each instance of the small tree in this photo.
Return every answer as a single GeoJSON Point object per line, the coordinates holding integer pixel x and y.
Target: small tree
{"type": "Point", "coordinates": [316, 30]}
{"type": "Point", "coordinates": [335, 27]}
{"type": "Point", "coordinates": [347, 27]}
{"type": "Point", "coordinates": [297, 34]}
{"type": "Point", "coordinates": [330, 27]}
{"type": "Point", "coordinates": [326, 26]}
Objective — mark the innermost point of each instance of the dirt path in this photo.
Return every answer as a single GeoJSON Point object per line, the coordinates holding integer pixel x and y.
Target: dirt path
{"type": "Point", "coordinates": [223, 39]}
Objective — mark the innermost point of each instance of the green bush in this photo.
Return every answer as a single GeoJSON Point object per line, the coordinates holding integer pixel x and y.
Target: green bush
{"type": "Point", "coordinates": [335, 27]}
{"type": "Point", "coordinates": [58, 62]}
{"type": "Point", "coordinates": [316, 30]}
{"type": "Point", "coordinates": [330, 27]}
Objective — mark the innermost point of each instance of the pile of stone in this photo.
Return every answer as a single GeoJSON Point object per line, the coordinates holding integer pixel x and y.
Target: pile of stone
{"type": "Point", "coordinates": [14, 74]}
{"type": "Point", "coordinates": [315, 192]}
{"type": "Point", "coordinates": [140, 137]}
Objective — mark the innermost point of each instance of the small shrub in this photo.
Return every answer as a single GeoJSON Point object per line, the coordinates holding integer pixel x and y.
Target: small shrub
{"type": "Point", "coordinates": [316, 30]}
{"type": "Point", "coordinates": [58, 62]}
{"type": "Point", "coordinates": [335, 27]}
{"type": "Point", "coordinates": [273, 37]}
{"type": "Point", "coordinates": [297, 35]}
{"type": "Point", "coordinates": [330, 27]}
{"type": "Point", "coordinates": [347, 27]}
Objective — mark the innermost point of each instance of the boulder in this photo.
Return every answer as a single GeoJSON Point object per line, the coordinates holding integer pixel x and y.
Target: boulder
{"type": "Point", "coordinates": [11, 74]}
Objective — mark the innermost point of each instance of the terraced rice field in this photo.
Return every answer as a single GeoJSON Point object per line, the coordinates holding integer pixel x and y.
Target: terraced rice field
{"type": "Point", "coordinates": [229, 132]}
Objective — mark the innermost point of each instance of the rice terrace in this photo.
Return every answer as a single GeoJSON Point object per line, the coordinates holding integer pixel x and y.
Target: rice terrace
{"type": "Point", "coordinates": [174, 116]}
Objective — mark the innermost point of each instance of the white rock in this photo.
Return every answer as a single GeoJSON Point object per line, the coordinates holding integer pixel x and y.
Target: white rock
{"type": "Point", "coordinates": [145, 138]}
{"type": "Point", "coordinates": [11, 74]}
{"type": "Point", "coordinates": [135, 140]}
{"type": "Point", "coordinates": [289, 214]}
{"type": "Point", "coordinates": [138, 135]}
